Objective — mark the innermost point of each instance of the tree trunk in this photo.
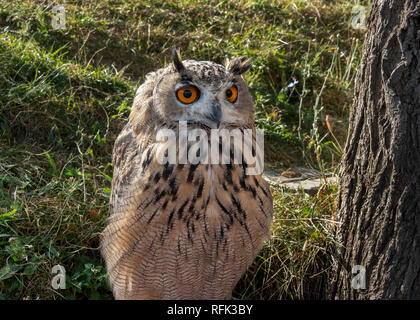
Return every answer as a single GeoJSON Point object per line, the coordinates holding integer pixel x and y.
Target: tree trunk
{"type": "Point", "coordinates": [379, 198]}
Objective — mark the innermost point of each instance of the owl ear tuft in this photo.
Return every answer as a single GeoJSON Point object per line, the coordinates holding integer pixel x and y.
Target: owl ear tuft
{"type": "Point", "coordinates": [239, 65]}
{"type": "Point", "coordinates": [176, 56]}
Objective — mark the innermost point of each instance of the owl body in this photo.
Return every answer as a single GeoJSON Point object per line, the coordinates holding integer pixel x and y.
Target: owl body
{"type": "Point", "coordinates": [181, 230]}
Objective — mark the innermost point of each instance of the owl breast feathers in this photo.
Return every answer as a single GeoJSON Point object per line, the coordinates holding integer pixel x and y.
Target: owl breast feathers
{"type": "Point", "coordinates": [181, 230]}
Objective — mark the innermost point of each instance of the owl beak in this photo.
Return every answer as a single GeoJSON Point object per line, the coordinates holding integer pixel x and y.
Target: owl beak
{"type": "Point", "coordinates": [216, 114]}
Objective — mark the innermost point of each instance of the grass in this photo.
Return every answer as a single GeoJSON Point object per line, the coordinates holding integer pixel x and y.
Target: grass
{"type": "Point", "coordinates": [65, 94]}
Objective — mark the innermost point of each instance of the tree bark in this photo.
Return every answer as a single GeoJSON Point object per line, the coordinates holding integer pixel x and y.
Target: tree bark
{"type": "Point", "coordinates": [379, 198]}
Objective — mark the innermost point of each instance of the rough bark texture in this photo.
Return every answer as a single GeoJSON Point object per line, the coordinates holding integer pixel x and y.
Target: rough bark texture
{"type": "Point", "coordinates": [379, 200]}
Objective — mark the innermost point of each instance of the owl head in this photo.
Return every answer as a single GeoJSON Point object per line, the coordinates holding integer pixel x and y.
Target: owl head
{"type": "Point", "coordinates": [202, 92]}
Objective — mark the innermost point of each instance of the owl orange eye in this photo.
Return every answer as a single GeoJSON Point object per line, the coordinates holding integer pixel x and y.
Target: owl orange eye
{"type": "Point", "coordinates": [231, 94]}
{"type": "Point", "coordinates": [187, 94]}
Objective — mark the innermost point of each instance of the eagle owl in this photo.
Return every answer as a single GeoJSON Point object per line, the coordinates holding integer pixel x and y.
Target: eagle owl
{"type": "Point", "coordinates": [184, 230]}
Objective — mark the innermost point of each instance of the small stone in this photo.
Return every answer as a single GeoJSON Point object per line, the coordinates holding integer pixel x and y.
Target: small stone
{"type": "Point", "coordinates": [299, 179]}
{"type": "Point", "coordinates": [291, 174]}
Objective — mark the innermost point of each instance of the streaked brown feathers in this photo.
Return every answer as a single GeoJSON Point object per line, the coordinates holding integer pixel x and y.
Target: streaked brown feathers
{"type": "Point", "coordinates": [181, 231]}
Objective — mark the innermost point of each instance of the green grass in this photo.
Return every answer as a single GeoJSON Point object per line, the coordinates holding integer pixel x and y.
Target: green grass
{"type": "Point", "coordinates": [65, 94]}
